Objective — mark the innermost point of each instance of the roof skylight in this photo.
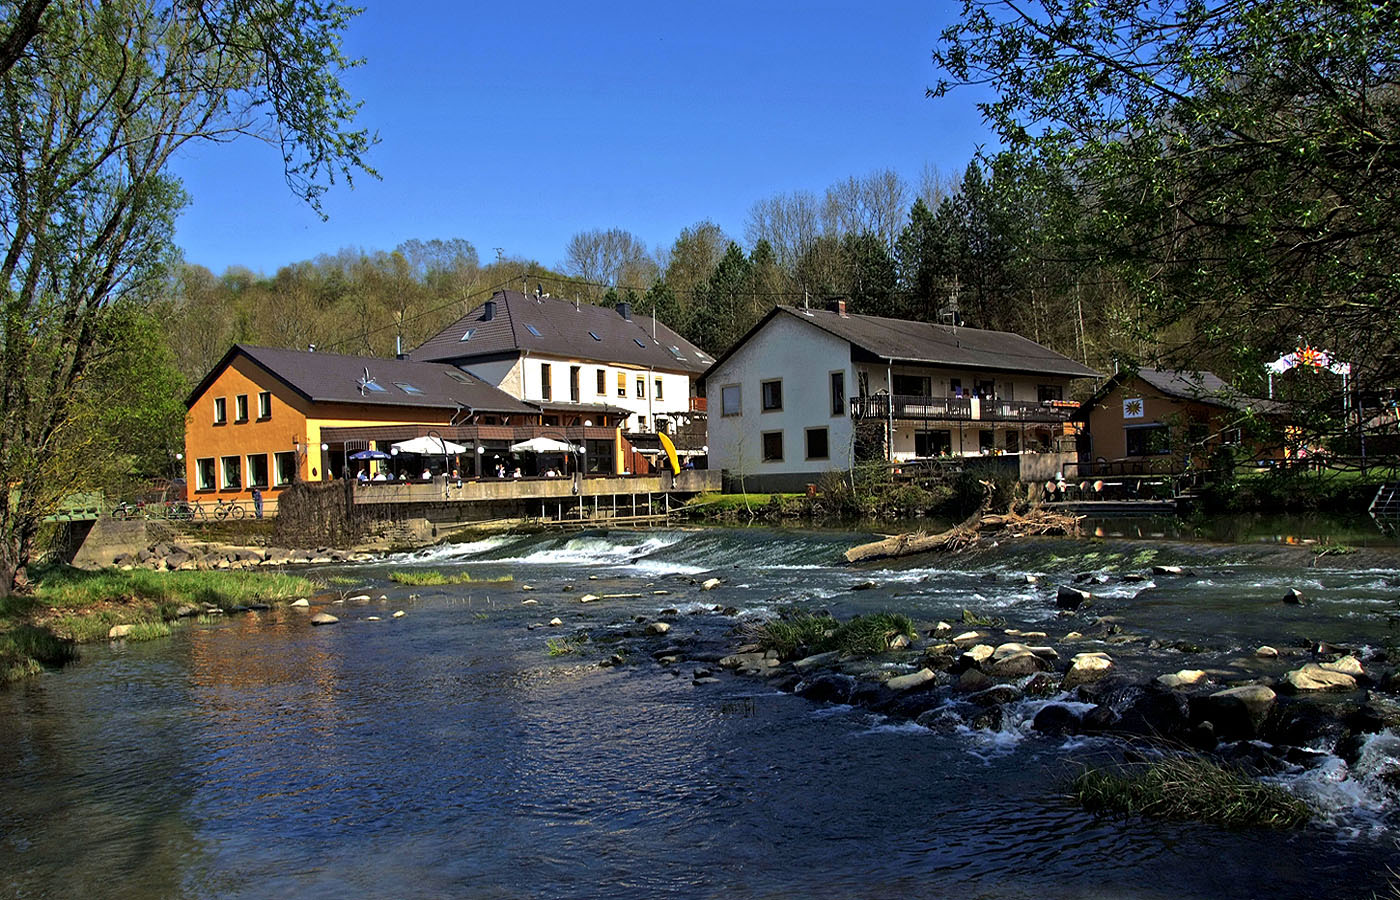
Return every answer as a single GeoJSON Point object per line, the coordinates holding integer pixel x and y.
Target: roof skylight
{"type": "Point", "coordinates": [594, 335]}
{"type": "Point", "coordinates": [639, 343]}
{"type": "Point", "coordinates": [676, 352]}
{"type": "Point", "coordinates": [370, 384]}
{"type": "Point", "coordinates": [468, 335]}
{"type": "Point", "coordinates": [459, 376]}
{"type": "Point", "coordinates": [533, 330]}
{"type": "Point", "coordinates": [407, 388]}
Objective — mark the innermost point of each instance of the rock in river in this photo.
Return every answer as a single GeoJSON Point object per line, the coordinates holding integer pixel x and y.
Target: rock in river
{"type": "Point", "coordinates": [1313, 677]}
{"type": "Point", "coordinates": [1086, 668]}
{"type": "Point", "coordinates": [1237, 712]}
{"type": "Point", "coordinates": [1071, 598]}
{"type": "Point", "coordinates": [323, 619]}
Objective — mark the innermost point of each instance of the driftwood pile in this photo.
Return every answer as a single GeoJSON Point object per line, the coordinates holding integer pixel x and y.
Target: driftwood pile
{"type": "Point", "coordinates": [1009, 524]}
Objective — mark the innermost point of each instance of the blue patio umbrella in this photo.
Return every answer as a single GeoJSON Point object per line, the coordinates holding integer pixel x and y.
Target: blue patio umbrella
{"type": "Point", "coordinates": [370, 454]}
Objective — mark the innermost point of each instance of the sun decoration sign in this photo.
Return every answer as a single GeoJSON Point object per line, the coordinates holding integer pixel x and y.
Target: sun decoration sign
{"type": "Point", "coordinates": [1132, 408]}
{"type": "Point", "coordinates": [1310, 358]}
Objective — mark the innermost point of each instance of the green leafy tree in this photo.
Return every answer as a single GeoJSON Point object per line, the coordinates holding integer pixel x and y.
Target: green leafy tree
{"type": "Point", "coordinates": [1235, 166]}
{"type": "Point", "coordinates": [94, 105]}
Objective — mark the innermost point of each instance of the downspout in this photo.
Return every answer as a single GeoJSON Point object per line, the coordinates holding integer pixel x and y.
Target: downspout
{"type": "Point", "coordinates": [889, 385]}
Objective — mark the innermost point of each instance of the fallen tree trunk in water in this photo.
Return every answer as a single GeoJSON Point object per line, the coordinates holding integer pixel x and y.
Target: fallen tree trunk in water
{"type": "Point", "coordinates": [1035, 521]}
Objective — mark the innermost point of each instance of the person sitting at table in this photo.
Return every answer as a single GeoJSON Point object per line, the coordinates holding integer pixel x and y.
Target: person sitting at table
{"type": "Point", "coordinates": [364, 475]}
{"type": "Point", "coordinates": [427, 474]}
{"type": "Point", "coordinates": [380, 476]}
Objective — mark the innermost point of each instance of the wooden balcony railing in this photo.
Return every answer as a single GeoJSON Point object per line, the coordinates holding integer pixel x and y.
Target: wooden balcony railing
{"type": "Point", "coordinates": [955, 409]}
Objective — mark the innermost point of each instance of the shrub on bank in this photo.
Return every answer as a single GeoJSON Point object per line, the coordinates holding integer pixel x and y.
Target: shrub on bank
{"type": "Point", "coordinates": [26, 649]}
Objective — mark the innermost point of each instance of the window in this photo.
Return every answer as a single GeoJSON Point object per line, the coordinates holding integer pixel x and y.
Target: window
{"type": "Point", "coordinates": [220, 410]}
{"type": "Point", "coordinates": [284, 468]}
{"type": "Point", "coordinates": [407, 388]}
{"type": "Point", "coordinates": [638, 342]}
{"type": "Point", "coordinates": [546, 389]}
{"type": "Point", "coordinates": [676, 352]}
{"type": "Point", "coordinates": [533, 330]}
{"type": "Point", "coordinates": [933, 443]}
{"type": "Point", "coordinates": [257, 470]}
{"type": "Point", "coordinates": [771, 394]}
{"type": "Point", "coordinates": [641, 387]}
{"type": "Point", "coordinates": [1147, 440]}
{"type": "Point", "coordinates": [231, 472]}
{"type": "Point", "coordinates": [240, 408]}
{"type": "Point", "coordinates": [986, 440]}
{"type": "Point", "coordinates": [204, 474]}
{"type": "Point", "coordinates": [911, 385]}
{"type": "Point", "coordinates": [573, 383]}
{"type": "Point", "coordinates": [458, 376]}
{"type": "Point", "coordinates": [594, 335]}
{"type": "Point", "coordinates": [622, 384]}
{"type": "Point", "coordinates": [1013, 442]}
{"type": "Point", "coordinates": [729, 400]}
{"type": "Point", "coordinates": [955, 387]}
{"type": "Point", "coordinates": [468, 335]}
{"type": "Point", "coordinates": [656, 389]}
{"type": "Point", "coordinates": [602, 382]}
{"type": "Point", "coordinates": [264, 404]}
{"type": "Point", "coordinates": [772, 446]}
{"type": "Point", "coordinates": [816, 443]}
{"type": "Point", "coordinates": [986, 389]}
{"type": "Point", "coordinates": [641, 423]}
{"type": "Point", "coordinates": [1044, 392]}
{"type": "Point", "coordinates": [838, 393]}
{"type": "Point", "coordinates": [369, 384]}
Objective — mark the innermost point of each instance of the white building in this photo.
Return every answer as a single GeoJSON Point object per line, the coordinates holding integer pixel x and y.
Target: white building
{"type": "Point", "coordinates": [581, 364]}
{"type": "Point", "coordinates": [809, 391]}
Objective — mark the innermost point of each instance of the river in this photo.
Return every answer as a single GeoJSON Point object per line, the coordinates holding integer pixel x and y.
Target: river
{"type": "Point", "coordinates": [445, 753]}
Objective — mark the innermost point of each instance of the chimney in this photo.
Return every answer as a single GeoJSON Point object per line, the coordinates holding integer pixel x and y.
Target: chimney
{"type": "Point", "coordinates": [837, 306]}
{"type": "Point", "coordinates": [625, 310]}
{"type": "Point", "coordinates": [488, 310]}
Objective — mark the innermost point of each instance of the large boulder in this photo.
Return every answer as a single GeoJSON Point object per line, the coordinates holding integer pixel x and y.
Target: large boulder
{"type": "Point", "coordinates": [913, 679]}
{"type": "Point", "coordinates": [1056, 719]}
{"type": "Point", "coordinates": [1017, 665]}
{"type": "Point", "coordinates": [1181, 678]}
{"type": "Point", "coordinates": [321, 618]}
{"type": "Point", "coordinates": [1085, 668]}
{"type": "Point", "coordinates": [1347, 665]}
{"type": "Point", "coordinates": [1237, 713]}
{"type": "Point", "coordinates": [1313, 677]}
{"type": "Point", "coordinates": [1072, 598]}
{"type": "Point", "coordinates": [830, 688]}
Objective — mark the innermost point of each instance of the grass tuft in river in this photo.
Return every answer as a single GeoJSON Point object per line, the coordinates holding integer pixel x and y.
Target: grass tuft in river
{"type": "Point", "coordinates": [795, 633]}
{"type": "Point", "coordinates": [433, 577]}
{"type": "Point", "coordinates": [1188, 789]}
{"type": "Point", "coordinates": [25, 650]}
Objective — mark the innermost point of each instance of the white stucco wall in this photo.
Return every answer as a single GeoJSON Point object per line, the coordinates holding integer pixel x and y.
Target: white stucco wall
{"type": "Point", "coordinates": [522, 378]}
{"type": "Point", "coordinates": [803, 357]}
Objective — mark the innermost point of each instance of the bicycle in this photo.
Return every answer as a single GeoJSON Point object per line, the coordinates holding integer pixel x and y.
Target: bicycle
{"type": "Point", "coordinates": [183, 511]}
{"type": "Point", "coordinates": [125, 510]}
{"type": "Point", "coordinates": [224, 509]}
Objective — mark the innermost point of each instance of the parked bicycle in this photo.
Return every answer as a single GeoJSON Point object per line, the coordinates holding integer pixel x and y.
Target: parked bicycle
{"type": "Point", "coordinates": [224, 509]}
{"type": "Point", "coordinates": [184, 511]}
{"type": "Point", "coordinates": [125, 510]}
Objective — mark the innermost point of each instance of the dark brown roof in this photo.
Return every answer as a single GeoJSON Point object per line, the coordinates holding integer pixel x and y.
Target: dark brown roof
{"type": "Point", "coordinates": [584, 331]}
{"type": "Point", "coordinates": [334, 378]}
{"type": "Point", "coordinates": [907, 341]}
{"type": "Point", "coordinates": [1199, 387]}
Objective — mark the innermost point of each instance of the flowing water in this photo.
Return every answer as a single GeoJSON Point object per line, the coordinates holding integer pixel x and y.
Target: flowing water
{"type": "Point", "coordinates": [447, 754]}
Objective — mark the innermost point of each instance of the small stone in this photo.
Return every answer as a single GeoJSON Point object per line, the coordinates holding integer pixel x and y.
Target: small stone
{"type": "Point", "coordinates": [530, 602]}
{"type": "Point", "coordinates": [323, 619]}
{"type": "Point", "coordinates": [899, 642]}
{"type": "Point", "coordinates": [968, 637]}
{"type": "Point", "coordinates": [556, 622]}
{"type": "Point", "coordinates": [1170, 570]}
{"type": "Point", "coordinates": [658, 628]}
{"type": "Point", "coordinates": [300, 603]}
{"type": "Point", "coordinates": [942, 629]}
{"type": "Point", "coordinates": [705, 679]}
{"type": "Point", "coordinates": [978, 654]}
{"type": "Point", "coordinates": [709, 584]}
{"type": "Point", "coordinates": [186, 610]}
{"type": "Point", "coordinates": [398, 614]}
{"type": "Point", "coordinates": [1264, 651]}
{"type": "Point", "coordinates": [1018, 664]}
{"type": "Point", "coordinates": [1072, 636]}
{"type": "Point", "coordinates": [817, 659]}
{"type": "Point", "coordinates": [358, 598]}
{"type": "Point", "coordinates": [1294, 597]}
{"type": "Point", "coordinates": [588, 598]}
{"type": "Point", "coordinates": [913, 679]}
{"type": "Point", "coordinates": [863, 586]}
{"type": "Point", "coordinates": [659, 593]}
{"type": "Point", "coordinates": [371, 618]}
{"type": "Point", "coordinates": [118, 631]}
{"type": "Point", "coordinates": [592, 577]}
{"type": "Point", "coordinates": [526, 587]}
{"type": "Point", "coordinates": [1182, 678]}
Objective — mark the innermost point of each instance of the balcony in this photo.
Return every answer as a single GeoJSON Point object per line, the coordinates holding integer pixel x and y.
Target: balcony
{"type": "Point", "coordinates": [957, 409]}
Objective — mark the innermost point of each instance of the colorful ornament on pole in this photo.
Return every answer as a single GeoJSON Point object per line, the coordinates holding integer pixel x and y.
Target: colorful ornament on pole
{"type": "Point", "coordinates": [1311, 358]}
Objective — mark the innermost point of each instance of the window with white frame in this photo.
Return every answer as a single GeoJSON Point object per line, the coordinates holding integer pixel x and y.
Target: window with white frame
{"type": "Point", "coordinates": [257, 470]}
{"type": "Point", "coordinates": [230, 471]}
{"type": "Point", "coordinates": [204, 474]}
{"type": "Point", "coordinates": [240, 408]}
{"type": "Point", "coordinates": [641, 387]}
{"type": "Point", "coordinates": [264, 404]}
{"type": "Point", "coordinates": [284, 468]}
{"type": "Point", "coordinates": [220, 410]}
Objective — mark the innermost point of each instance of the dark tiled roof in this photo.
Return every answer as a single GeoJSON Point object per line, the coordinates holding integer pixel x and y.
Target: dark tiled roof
{"type": "Point", "coordinates": [1204, 387]}
{"type": "Point", "coordinates": [903, 340]}
{"type": "Point", "coordinates": [334, 378]}
{"type": "Point", "coordinates": [563, 330]}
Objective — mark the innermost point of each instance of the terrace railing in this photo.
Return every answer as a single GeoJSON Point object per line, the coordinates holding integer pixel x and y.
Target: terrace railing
{"type": "Point", "coordinates": [955, 409]}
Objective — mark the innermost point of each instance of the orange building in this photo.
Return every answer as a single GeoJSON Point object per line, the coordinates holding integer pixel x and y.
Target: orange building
{"type": "Point", "coordinates": [259, 418]}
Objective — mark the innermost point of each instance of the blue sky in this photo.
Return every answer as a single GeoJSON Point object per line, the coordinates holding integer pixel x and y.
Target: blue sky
{"type": "Point", "coordinates": [516, 126]}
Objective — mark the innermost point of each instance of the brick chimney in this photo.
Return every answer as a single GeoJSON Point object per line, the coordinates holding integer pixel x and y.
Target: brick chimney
{"type": "Point", "coordinates": [625, 310]}
{"type": "Point", "coordinates": [488, 310]}
{"type": "Point", "coordinates": [837, 306]}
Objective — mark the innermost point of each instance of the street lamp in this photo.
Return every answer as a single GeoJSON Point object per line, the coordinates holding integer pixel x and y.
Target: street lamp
{"type": "Point", "coordinates": [442, 443]}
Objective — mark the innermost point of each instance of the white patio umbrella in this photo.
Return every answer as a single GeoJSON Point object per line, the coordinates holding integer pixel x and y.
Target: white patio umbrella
{"type": "Point", "coordinates": [429, 446]}
{"type": "Point", "coordinates": [543, 445]}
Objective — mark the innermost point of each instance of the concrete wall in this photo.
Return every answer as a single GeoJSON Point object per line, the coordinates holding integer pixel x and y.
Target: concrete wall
{"type": "Point", "coordinates": [803, 357]}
